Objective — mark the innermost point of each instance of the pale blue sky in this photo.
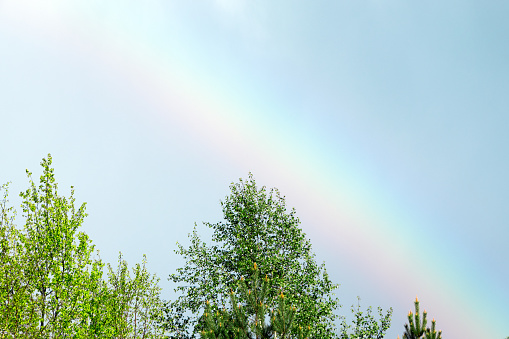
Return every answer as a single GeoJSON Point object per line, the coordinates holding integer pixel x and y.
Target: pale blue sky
{"type": "Point", "coordinates": [151, 110]}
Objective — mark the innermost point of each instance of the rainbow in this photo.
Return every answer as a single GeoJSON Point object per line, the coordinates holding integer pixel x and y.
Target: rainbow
{"type": "Point", "coordinates": [354, 219]}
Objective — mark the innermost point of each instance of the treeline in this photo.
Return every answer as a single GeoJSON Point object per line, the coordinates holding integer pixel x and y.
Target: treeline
{"type": "Point", "coordinates": [52, 285]}
{"type": "Point", "coordinates": [258, 279]}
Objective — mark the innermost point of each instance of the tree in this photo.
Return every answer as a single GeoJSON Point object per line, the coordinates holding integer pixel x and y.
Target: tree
{"type": "Point", "coordinates": [415, 329]}
{"type": "Point", "coordinates": [257, 228]}
{"type": "Point", "coordinates": [50, 284]}
{"type": "Point", "coordinates": [431, 333]}
{"type": "Point", "coordinates": [248, 314]}
{"type": "Point", "coordinates": [134, 306]}
{"type": "Point", "coordinates": [366, 326]}
{"type": "Point", "coordinates": [13, 300]}
{"type": "Point", "coordinates": [52, 265]}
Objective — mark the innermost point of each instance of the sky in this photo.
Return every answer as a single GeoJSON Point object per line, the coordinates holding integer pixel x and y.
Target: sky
{"type": "Point", "coordinates": [383, 123]}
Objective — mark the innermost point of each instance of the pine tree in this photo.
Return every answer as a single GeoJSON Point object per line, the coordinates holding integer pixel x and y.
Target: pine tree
{"type": "Point", "coordinates": [248, 315]}
{"type": "Point", "coordinates": [282, 317]}
{"type": "Point", "coordinates": [218, 324]}
{"type": "Point", "coordinates": [417, 330]}
{"type": "Point", "coordinates": [432, 333]}
{"type": "Point", "coordinates": [255, 297]}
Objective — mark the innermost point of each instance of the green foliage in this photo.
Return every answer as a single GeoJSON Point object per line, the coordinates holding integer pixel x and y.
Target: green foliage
{"type": "Point", "coordinates": [255, 299]}
{"type": "Point", "coordinates": [365, 325]}
{"type": "Point", "coordinates": [12, 298]}
{"type": "Point", "coordinates": [416, 330]}
{"type": "Point", "coordinates": [257, 228]}
{"type": "Point", "coordinates": [282, 319]}
{"type": "Point", "coordinates": [52, 287]}
{"type": "Point", "coordinates": [218, 324]}
{"type": "Point", "coordinates": [249, 312]}
{"type": "Point", "coordinates": [431, 333]}
{"type": "Point", "coordinates": [134, 306]}
{"type": "Point", "coordinates": [52, 262]}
